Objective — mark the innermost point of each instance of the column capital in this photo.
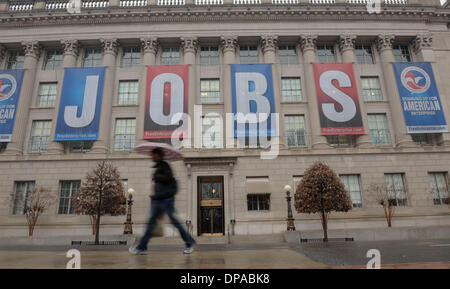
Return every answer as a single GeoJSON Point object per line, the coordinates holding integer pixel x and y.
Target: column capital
{"type": "Point", "coordinates": [70, 46]}
{"type": "Point", "coordinates": [189, 44]}
{"type": "Point", "coordinates": [32, 48]}
{"type": "Point", "coordinates": [347, 42]}
{"type": "Point", "coordinates": [109, 46]}
{"type": "Point", "coordinates": [228, 43]}
{"type": "Point", "coordinates": [422, 41]}
{"type": "Point", "coordinates": [269, 43]}
{"type": "Point", "coordinates": [308, 42]}
{"type": "Point", "coordinates": [385, 41]}
{"type": "Point", "coordinates": [150, 45]}
{"type": "Point", "coordinates": [2, 53]}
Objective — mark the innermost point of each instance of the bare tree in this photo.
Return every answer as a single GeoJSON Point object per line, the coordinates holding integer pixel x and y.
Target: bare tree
{"type": "Point", "coordinates": [101, 193]}
{"type": "Point", "coordinates": [381, 194]}
{"type": "Point", "coordinates": [35, 203]}
{"type": "Point", "coordinates": [321, 191]}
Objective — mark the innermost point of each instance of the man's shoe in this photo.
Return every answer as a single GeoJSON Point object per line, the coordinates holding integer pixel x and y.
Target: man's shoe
{"type": "Point", "coordinates": [188, 250]}
{"type": "Point", "coordinates": [134, 250]}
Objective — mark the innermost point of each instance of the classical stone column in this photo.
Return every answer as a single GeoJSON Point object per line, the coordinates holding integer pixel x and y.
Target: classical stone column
{"type": "Point", "coordinates": [2, 55]}
{"type": "Point", "coordinates": [190, 46]}
{"type": "Point", "coordinates": [347, 47]}
{"type": "Point", "coordinates": [32, 53]}
{"type": "Point", "coordinates": [423, 49]}
{"type": "Point", "coordinates": [308, 47]}
{"type": "Point", "coordinates": [150, 49]}
{"type": "Point", "coordinates": [269, 45]}
{"type": "Point", "coordinates": [228, 45]}
{"type": "Point", "coordinates": [71, 49]}
{"type": "Point", "coordinates": [384, 46]}
{"type": "Point", "coordinates": [109, 60]}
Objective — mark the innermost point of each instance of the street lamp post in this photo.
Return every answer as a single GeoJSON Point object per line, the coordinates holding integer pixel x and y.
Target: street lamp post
{"type": "Point", "coordinates": [290, 219]}
{"type": "Point", "coordinates": [128, 224]}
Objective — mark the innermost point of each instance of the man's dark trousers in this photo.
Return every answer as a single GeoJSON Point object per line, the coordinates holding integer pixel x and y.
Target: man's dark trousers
{"type": "Point", "coordinates": [158, 208]}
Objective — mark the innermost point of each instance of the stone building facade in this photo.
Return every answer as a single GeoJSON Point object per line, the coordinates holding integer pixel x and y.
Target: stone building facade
{"type": "Point", "coordinates": [127, 36]}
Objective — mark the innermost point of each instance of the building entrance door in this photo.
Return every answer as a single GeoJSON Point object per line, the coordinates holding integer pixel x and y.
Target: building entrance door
{"type": "Point", "coordinates": [210, 206]}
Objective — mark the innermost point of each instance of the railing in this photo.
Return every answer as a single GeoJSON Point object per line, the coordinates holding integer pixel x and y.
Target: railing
{"type": "Point", "coordinates": [389, 2]}
{"type": "Point", "coordinates": [171, 2]}
{"type": "Point", "coordinates": [21, 6]}
{"type": "Point", "coordinates": [246, 2]}
{"type": "Point", "coordinates": [56, 5]}
{"type": "Point", "coordinates": [284, 1]}
{"type": "Point", "coordinates": [133, 3]}
{"type": "Point", "coordinates": [208, 2]}
{"type": "Point", "coordinates": [322, 1]}
{"type": "Point", "coordinates": [95, 3]}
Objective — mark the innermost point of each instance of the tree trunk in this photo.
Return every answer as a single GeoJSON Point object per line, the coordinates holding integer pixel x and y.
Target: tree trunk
{"type": "Point", "coordinates": [324, 226]}
{"type": "Point", "coordinates": [93, 219]}
{"type": "Point", "coordinates": [97, 226]}
{"type": "Point", "coordinates": [30, 230]}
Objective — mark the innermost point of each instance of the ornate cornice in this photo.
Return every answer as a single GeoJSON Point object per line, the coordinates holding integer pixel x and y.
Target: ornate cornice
{"type": "Point", "coordinates": [189, 44]}
{"type": "Point", "coordinates": [32, 48]}
{"type": "Point", "coordinates": [70, 47]}
{"type": "Point", "coordinates": [150, 45]}
{"type": "Point", "coordinates": [308, 42]}
{"type": "Point", "coordinates": [385, 41]}
{"type": "Point", "coordinates": [422, 41]}
{"type": "Point", "coordinates": [229, 43]}
{"type": "Point", "coordinates": [109, 46]}
{"type": "Point", "coordinates": [269, 43]}
{"type": "Point", "coordinates": [346, 42]}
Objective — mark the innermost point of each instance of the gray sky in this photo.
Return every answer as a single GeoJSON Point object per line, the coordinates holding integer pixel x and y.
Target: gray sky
{"type": "Point", "coordinates": [442, 1]}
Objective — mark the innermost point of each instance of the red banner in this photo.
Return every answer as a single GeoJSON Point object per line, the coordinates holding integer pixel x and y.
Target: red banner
{"type": "Point", "coordinates": [167, 95]}
{"type": "Point", "coordinates": [337, 98]}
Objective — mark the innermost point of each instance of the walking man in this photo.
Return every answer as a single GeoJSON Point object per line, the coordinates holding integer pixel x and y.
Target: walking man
{"type": "Point", "coordinates": [162, 202]}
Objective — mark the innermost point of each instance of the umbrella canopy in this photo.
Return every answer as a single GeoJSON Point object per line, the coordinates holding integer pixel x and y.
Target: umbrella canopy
{"type": "Point", "coordinates": [170, 153]}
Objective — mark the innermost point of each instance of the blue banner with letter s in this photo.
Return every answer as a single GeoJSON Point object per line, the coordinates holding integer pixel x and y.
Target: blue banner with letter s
{"type": "Point", "coordinates": [253, 100]}
{"type": "Point", "coordinates": [80, 104]}
{"type": "Point", "coordinates": [10, 86]}
{"type": "Point", "coordinates": [419, 97]}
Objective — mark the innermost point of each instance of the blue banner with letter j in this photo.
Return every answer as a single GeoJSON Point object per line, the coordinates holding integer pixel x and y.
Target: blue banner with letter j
{"type": "Point", "coordinates": [80, 104]}
{"type": "Point", "coordinates": [10, 86]}
{"type": "Point", "coordinates": [419, 97]}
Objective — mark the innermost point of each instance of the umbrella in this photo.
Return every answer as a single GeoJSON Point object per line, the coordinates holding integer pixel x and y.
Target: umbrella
{"type": "Point", "coordinates": [170, 153]}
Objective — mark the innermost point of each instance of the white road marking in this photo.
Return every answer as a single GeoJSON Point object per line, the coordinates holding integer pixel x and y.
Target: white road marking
{"type": "Point", "coordinates": [440, 245]}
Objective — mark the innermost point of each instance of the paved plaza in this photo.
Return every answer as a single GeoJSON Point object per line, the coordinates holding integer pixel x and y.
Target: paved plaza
{"type": "Point", "coordinates": [394, 254]}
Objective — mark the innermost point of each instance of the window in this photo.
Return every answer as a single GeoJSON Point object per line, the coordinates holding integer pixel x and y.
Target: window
{"type": "Point", "coordinates": [439, 186]}
{"type": "Point", "coordinates": [353, 187]}
{"type": "Point", "coordinates": [211, 132]}
{"type": "Point", "coordinates": [288, 55]}
{"type": "Point", "coordinates": [401, 53]}
{"type": "Point", "coordinates": [68, 189]}
{"type": "Point", "coordinates": [396, 189]}
{"type": "Point", "coordinates": [422, 138]}
{"type": "Point", "coordinates": [248, 54]}
{"type": "Point", "coordinates": [128, 92]}
{"type": "Point", "coordinates": [124, 134]}
{"type": "Point", "coordinates": [40, 135]}
{"type": "Point", "coordinates": [371, 88]}
{"type": "Point", "coordinates": [364, 54]}
{"type": "Point", "coordinates": [379, 129]}
{"type": "Point", "coordinates": [3, 146]}
{"type": "Point", "coordinates": [53, 60]}
{"type": "Point", "coordinates": [170, 55]}
{"type": "Point", "coordinates": [47, 94]}
{"type": "Point", "coordinates": [209, 90]}
{"type": "Point", "coordinates": [291, 89]}
{"type": "Point", "coordinates": [258, 202]}
{"type": "Point", "coordinates": [23, 196]}
{"type": "Point", "coordinates": [341, 140]}
{"type": "Point", "coordinates": [92, 57]}
{"type": "Point", "coordinates": [325, 53]}
{"type": "Point", "coordinates": [295, 130]}
{"type": "Point", "coordinates": [15, 60]}
{"type": "Point", "coordinates": [131, 57]}
{"type": "Point", "coordinates": [80, 146]}
{"type": "Point", "coordinates": [297, 181]}
{"type": "Point", "coordinates": [209, 55]}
